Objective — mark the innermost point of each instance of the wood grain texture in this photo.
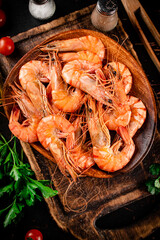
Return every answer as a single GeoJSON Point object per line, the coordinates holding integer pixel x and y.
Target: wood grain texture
{"type": "Point", "coordinates": [133, 7]}
{"type": "Point", "coordinates": [79, 205]}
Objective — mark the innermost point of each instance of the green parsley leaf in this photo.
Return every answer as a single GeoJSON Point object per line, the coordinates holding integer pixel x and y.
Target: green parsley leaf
{"type": "Point", "coordinates": [8, 158]}
{"type": "Point", "coordinates": [15, 173]}
{"type": "Point", "coordinates": [153, 183]}
{"type": "Point", "coordinates": [24, 189]}
{"type": "Point", "coordinates": [46, 191]}
{"type": "Point", "coordinates": [155, 169]}
{"type": "Point", "coordinates": [157, 183]}
{"type": "Point", "coordinates": [1, 143]}
{"type": "Point", "coordinates": [5, 209]}
{"type": "Point", "coordinates": [3, 152]}
{"type": "Point", "coordinates": [29, 193]}
{"type": "Point", "coordinates": [6, 189]}
{"type": "Point", "coordinates": [45, 182]}
{"type": "Point", "coordinates": [1, 174]}
{"type": "Point", "coordinates": [13, 212]}
{"type": "Point", "coordinates": [151, 187]}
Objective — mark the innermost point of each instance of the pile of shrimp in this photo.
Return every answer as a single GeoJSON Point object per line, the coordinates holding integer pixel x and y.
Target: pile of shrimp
{"type": "Point", "coordinates": [77, 107]}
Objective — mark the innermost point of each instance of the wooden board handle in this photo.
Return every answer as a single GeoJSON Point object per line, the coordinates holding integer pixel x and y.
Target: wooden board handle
{"type": "Point", "coordinates": [147, 45]}
{"type": "Point", "coordinates": [131, 8]}
{"type": "Point", "coordinates": [150, 25]}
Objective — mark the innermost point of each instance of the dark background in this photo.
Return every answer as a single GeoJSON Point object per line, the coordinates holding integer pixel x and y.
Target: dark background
{"type": "Point", "coordinates": [20, 20]}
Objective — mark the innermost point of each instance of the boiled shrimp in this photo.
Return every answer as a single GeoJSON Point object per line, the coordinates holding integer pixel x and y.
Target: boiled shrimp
{"type": "Point", "coordinates": [96, 130]}
{"type": "Point", "coordinates": [113, 118]}
{"type": "Point", "coordinates": [119, 71]}
{"type": "Point", "coordinates": [67, 100]}
{"type": "Point", "coordinates": [49, 131]}
{"type": "Point", "coordinates": [89, 43]}
{"type": "Point", "coordinates": [138, 115]}
{"type": "Point", "coordinates": [120, 113]}
{"type": "Point", "coordinates": [108, 158]}
{"type": "Point", "coordinates": [24, 130]}
{"type": "Point", "coordinates": [81, 55]}
{"type": "Point", "coordinates": [80, 74]}
{"type": "Point", "coordinates": [81, 156]}
{"type": "Point", "coordinates": [31, 76]}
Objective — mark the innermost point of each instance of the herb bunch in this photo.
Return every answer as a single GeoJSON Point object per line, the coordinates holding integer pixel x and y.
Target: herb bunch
{"type": "Point", "coordinates": [18, 181]}
{"type": "Point", "coordinates": [153, 183]}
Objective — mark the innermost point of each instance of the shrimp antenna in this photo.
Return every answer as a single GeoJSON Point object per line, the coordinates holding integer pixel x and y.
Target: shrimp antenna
{"type": "Point", "coordinates": [120, 46]}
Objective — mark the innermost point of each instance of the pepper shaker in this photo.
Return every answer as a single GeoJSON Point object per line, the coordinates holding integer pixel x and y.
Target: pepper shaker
{"type": "Point", "coordinates": [105, 17]}
{"type": "Point", "coordinates": [42, 9]}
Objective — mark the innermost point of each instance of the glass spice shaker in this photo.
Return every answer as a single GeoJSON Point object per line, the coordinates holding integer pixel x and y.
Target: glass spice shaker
{"type": "Point", "coordinates": [105, 17]}
{"type": "Point", "coordinates": [42, 9]}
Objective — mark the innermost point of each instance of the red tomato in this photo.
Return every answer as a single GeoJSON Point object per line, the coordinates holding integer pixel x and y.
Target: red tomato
{"type": "Point", "coordinates": [6, 46]}
{"type": "Point", "coordinates": [2, 18]}
{"type": "Point", "coordinates": [34, 234]}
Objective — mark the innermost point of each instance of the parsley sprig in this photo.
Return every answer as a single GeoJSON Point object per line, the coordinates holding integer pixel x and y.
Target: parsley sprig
{"type": "Point", "coordinates": [153, 183]}
{"type": "Point", "coordinates": [22, 188]}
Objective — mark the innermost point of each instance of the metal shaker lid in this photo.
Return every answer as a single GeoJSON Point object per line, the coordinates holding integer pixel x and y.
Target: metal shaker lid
{"type": "Point", "coordinates": [40, 1]}
{"type": "Point", "coordinates": [107, 7]}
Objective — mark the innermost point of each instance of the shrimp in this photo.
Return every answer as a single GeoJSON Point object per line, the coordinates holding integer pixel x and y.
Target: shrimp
{"type": "Point", "coordinates": [78, 73]}
{"type": "Point", "coordinates": [31, 75]}
{"type": "Point", "coordinates": [81, 55]}
{"type": "Point", "coordinates": [26, 130]}
{"type": "Point", "coordinates": [49, 130]}
{"type": "Point", "coordinates": [82, 158]}
{"type": "Point", "coordinates": [120, 113]}
{"type": "Point", "coordinates": [50, 100]}
{"type": "Point", "coordinates": [89, 43]}
{"type": "Point", "coordinates": [113, 118]}
{"type": "Point", "coordinates": [101, 133]}
{"type": "Point", "coordinates": [138, 115]}
{"type": "Point", "coordinates": [67, 100]}
{"type": "Point", "coordinates": [120, 72]}
{"type": "Point", "coordinates": [108, 158]}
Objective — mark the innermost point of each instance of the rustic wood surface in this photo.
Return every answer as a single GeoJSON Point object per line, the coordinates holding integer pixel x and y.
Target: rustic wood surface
{"type": "Point", "coordinates": [132, 8]}
{"type": "Point", "coordinates": [78, 205]}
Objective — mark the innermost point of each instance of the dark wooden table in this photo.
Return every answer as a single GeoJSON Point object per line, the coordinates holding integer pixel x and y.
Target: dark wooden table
{"type": "Point", "coordinates": [38, 216]}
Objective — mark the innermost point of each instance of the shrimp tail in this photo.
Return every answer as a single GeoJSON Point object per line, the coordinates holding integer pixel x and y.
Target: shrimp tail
{"type": "Point", "coordinates": [64, 163]}
{"type": "Point", "coordinates": [25, 131]}
{"type": "Point", "coordinates": [122, 131]}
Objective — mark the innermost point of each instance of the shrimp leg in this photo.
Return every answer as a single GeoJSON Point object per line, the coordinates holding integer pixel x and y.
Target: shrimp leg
{"type": "Point", "coordinates": [48, 131]}
{"type": "Point", "coordinates": [120, 72]}
{"type": "Point", "coordinates": [31, 76]}
{"type": "Point", "coordinates": [80, 74]}
{"type": "Point", "coordinates": [27, 130]}
{"type": "Point", "coordinates": [108, 158]}
{"type": "Point", "coordinates": [81, 156]}
{"type": "Point", "coordinates": [67, 100]}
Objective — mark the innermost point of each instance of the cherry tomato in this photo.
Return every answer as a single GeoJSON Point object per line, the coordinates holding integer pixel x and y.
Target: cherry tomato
{"type": "Point", "coordinates": [6, 46]}
{"type": "Point", "coordinates": [2, 18]}
{"type": "Point", "coordinates": [34, 234]}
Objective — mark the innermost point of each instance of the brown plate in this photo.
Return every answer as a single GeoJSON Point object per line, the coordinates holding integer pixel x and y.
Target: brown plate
{"type": "Point", "coordinates": [141, 88]}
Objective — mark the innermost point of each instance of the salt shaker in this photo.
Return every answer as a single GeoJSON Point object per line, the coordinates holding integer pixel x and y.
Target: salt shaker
{"type": "Point", "coordinates": [42, 9]}
{"type": "Point", "coordinates": [105, 17]}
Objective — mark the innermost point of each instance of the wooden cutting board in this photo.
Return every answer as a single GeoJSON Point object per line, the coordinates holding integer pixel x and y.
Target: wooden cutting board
{"type": "Point", "coordinates": [79, 205]}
